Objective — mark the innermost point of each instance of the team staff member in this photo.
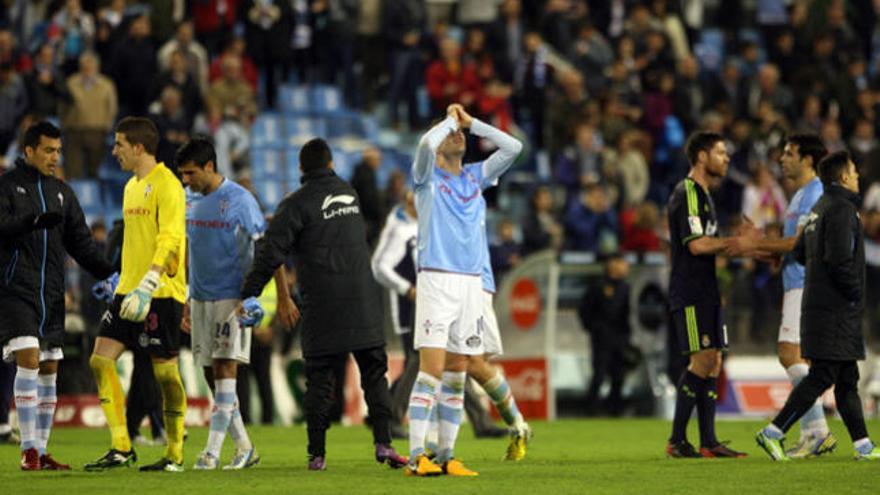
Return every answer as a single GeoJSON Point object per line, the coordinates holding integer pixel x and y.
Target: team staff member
{"type": "Point", "coordinates": [322, 226]}
{"type": "Point", "coordinates": [40, 219]}
{"type": "Point", "coordinates": [148, 306]}
{"type": "Point", "coordinates": [832, 249]}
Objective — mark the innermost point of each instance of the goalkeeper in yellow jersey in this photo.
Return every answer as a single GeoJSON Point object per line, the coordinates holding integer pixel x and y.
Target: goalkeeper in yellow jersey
{"type": "Point", "coordinates": [148, 305]}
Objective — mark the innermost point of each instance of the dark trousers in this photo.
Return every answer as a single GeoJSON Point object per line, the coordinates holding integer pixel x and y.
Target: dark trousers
{"type": "Point", "coordinates": [844, 376]}
{"type": "Point", "coordinates": [144, 397]}
{"type": "Point", "coordinates": [261, 360]}
{"type": "Point", "coordinates": [7, 380]}
{"type": "Point", "coordinates": [320, 385]}
{"type": "Point", "coordinates": [405, 78]}
{"type": "Point", "coordinates": [607, 363]}
{"type": "Point", "coordinates": [402, 386]}
{"type": "Point", "coordinates": [84, 149]}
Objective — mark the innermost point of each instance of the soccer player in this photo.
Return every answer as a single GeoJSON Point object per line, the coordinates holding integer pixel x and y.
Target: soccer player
{"type": "Point", "coordinates": [321, 226]}
{"type": "Point", "coordinates": [694, 298]}
{"type": "Point", "coordinates": [449, 292]}
{"type": "Point", "coordinates": [800, 157]}
{"type": "Point", "coordinates": [223, 222]}
{"type": "Point", "coordinates": [40, 219]}
{"type": "Point", "coordinates": [148, 306]}
{"type": "Point", "coordinates": [832, 249]}
{"type": "Point", "coordinates": [394, 267]}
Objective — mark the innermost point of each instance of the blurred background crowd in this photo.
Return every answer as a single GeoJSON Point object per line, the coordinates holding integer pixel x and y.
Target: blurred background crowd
{"type": "Point", "coordinates": [603, 93]}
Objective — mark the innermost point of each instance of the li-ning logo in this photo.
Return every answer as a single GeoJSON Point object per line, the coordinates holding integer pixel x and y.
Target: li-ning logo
{"type": "Point", "coordinates": [20, 190]}
{"type": "Point", "coordinates": [61, 199]}
{"type": "Point", "coordinates": [345, 199]}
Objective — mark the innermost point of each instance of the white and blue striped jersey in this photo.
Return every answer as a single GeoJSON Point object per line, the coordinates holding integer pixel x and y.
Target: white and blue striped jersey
{"type": "Point", "coordinates": [221, 229]}
{"type": "Point", "coordinates": [451, 208]}
{"type": "Point", "coordinates": [796, 216]}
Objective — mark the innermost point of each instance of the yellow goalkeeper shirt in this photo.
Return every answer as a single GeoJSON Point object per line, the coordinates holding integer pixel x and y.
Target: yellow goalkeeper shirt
{"type": "Point", "coordinates": [154, 212]}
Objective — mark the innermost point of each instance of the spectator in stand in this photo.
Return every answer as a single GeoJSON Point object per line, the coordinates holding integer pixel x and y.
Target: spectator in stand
{"type": "Point", "coordinates": [811, 116]}
{"type": "Point", "coordinates": [76, 29]}
{"type": "Point", "coordinates": [534, 76]}
{"type": "Point", "coordinates": [173, 125]}
{"type": "Point", "coordinates": [267, 26]}
{"type": "Point", "coordinates": [178, 77]}
{"type": "Point", "coordinates": [134, 68]}
{"type": "Point", "coordinates": [658, 101]}
{"type": "Point", "coordinates": [231, 140]}
{"type": "Point", "coordinates": [832, 136]}
{"type": "Point", "coordinates": [235, 47]}
{"type": "Point", "coordinates": [45, 87]}
{"type": "Point", "coordinates": [231, 94]}
{"type": "Point", "coordinates": [505, 38]}
{"type": "Point", "coordinates": [766, 87]}
{"type": "Point", "coordinates": [728, 89]}
{"type": "Point", "coordinates": [196, 55]}
{"type": "Point", "coordinates": [364, 182]}
{"type": "Point", "coordinates": [541, 230]}
{"type": "Point", "coordinates": [628, 162]}
{"type": "Point", "coordinates": [638, 227]}
{"type": "Point", "coordinates": [592, 55]}
{"type": "Point", "coordinates": [504, 253]}
{"type": "Point", "coordinates": [690, 95]}
{"type": "Point", "coordinates": [863, 142]}
{"type": "Point", "coordinates": [13, 55]}
{"type": "Point", "coordinates": [763, 199]}
{"type": "Point", "coordinates": [477, 55]}
{"type": "Point", "coordinates": [565, 109]}
{"type": "Point", "coordinates": [213, 21]}
{"type": "Point", "coordinates": [450, 81]}
{"type": "Point", "coordinates": [404, 22]}
{"type": "Point", "coordinates": [591, 224]}
{"type": "Point", "coordinates": [581, 162]}
{"type": "Point", "coordinates": [395, 191]}
{"type": "Point", "coordinates": [13, 103]}
{"type": "Point", "coordinates": [88, 119]}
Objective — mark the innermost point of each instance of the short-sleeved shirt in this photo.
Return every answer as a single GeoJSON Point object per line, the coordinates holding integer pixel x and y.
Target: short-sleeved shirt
{"type": "Point", "coordinates": [452, 224]}
{"type": "Point", "coordinates": [796, 216]}
{"type": "Point", "coordinates": [691, 216]}
{"type": "Point", "coordinates": [221, 228]}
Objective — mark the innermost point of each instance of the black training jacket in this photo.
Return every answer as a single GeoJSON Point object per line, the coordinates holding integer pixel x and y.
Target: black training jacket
{"type": "Point", "coordinates": [32, 261]}
{"type": "Point", "coordinates": [321, 226]}
{"type": "Point", "coordinates": [832, 249]}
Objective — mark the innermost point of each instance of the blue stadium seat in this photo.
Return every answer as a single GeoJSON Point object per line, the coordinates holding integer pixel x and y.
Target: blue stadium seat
{"type": "Point", "coordinates": [709, 50]}
{"type": "Point", "coordinates": [344, 162]}
{"type": "Point", "coordinates": [266, 164]}
{"type": "Point", "coordinates": [294, 99]}
{"type": "Point", "coordinates": [88, 192]}
{"type": "Point", "coordinates": [270, 193]}
{"type": "Point", "coordinates": [267, 131]}
{"type": "Point", "coordinates": [326, 99]}
{"type": "Point", "coordinates": [291, 166]}
{"type": "Point", "coordinates": [299, 129]}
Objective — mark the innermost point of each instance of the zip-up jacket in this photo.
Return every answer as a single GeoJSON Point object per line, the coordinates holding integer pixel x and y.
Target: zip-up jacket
{"type": "Point", "coordinates": [32, 260]}
{"type": "Point", "coordinates": [321, 226]}
{"type": "Point", "coordinates": [832, 248]}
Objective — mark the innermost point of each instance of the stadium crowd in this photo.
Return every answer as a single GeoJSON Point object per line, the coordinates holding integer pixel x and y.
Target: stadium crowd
{"type": "Point", "coordinates": [603, 93]}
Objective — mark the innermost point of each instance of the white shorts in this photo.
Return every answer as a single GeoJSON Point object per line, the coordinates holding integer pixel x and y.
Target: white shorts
{"type": "Point", "coordinates": [790, 329]}
{"type": "Point", "coordinates": [216, 333]}
{"type": "Point", "coordinates": [491, 333]}
{"type": "Point", "coordinates": [448, 308]}
{"type": "Point", "coordinates": [19, 343]}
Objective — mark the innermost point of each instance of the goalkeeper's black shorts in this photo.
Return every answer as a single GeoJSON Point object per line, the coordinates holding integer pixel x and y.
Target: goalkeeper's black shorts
{"type": "Point", "coordinates": [158, 334]}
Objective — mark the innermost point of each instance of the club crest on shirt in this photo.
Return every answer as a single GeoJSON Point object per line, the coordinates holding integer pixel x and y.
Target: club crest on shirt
{"type": "Point", "coordinates": [696, 225]}
{"type": "Point", "coordinates": [706, 341]}
{"type": "Point", "coordinates": [223, 206]}
{"type": "Point", "coordinates": [61, 199]}
{"type": "Point", "coordinates": [148, 190]}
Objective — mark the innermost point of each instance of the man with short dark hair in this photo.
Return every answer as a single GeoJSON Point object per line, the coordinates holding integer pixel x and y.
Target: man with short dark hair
{"type": "Point", "coordinates": [832, 249]}
{"type": "Point", "coordinates": [148, 306]}
{"type": "Point", "coordinates": [694, 297]}
{"type": "Point", "coordinates": [322, 227]}
{"type": "Point", "coordinates": [800, 159]}
{"type": "Point", "coordinates": [223, 222]}
{"type": "Point", "coordinates": [40, 220]}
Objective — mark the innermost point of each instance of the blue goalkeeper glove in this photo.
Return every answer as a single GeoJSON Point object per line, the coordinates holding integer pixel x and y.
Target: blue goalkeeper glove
{"type": "Point", "coordinates": [104, 290]}
{"type": "Point", "coordinates": [252, 313]}
{"type": "Point", "coordinates": [136, 304]}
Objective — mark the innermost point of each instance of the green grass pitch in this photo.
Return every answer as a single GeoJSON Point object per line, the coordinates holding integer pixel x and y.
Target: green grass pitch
{"type": "Point", "coordinates": [568, 456]}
